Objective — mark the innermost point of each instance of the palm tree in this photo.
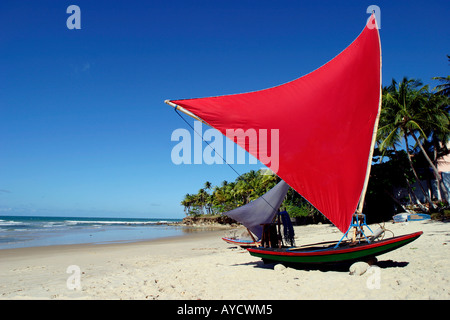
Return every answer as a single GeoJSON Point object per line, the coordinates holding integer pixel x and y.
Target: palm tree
{"type": "Point", "coordinates": [202, 197]}
{"type": "Point", "coordinates": [208, 185]}
{"type": "Point", "coordinates": [410, 110]}
{"type": "Point", "coordinates": [444, 88]}
{"type": "Point", "coordinates": [208, 197]}
{"type": "Point", "coordinates": [219, 199]}
{"type": "Point", "coordinates": [397, 118]}
{"type": "Point", "coordinates": [187, 202]}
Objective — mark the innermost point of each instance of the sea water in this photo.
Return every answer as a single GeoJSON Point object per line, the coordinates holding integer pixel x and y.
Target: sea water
{"type": "Point", "coordinates": [31, 231]}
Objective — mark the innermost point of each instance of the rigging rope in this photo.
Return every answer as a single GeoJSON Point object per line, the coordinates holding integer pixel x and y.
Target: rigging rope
{"type": "Point", "coordinates": [239, 175]}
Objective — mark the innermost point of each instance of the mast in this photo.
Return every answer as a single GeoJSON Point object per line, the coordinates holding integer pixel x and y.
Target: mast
{"type": "Point", "coordinates": [369, 163]}
{"type": "Point", "coordinates": [374, 136]}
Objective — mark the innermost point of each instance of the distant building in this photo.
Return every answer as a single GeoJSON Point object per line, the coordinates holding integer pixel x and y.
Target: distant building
{"type": "Point", "coordinates": [443, 164]}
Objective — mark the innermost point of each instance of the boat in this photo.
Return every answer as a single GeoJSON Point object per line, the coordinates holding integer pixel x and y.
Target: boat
{"type": "Point", "coordinates": [419, 217]}
{"type": "Point", "coordinates": [323, 126]}
{"type": "Point", "coordinates": [243, 243]}
{"type": "Point", "coordinates": [329, 253]}
{"type": "Point", "coordinates": [407, 216]}
{"type": "Point", "coordinates": [400, 217]}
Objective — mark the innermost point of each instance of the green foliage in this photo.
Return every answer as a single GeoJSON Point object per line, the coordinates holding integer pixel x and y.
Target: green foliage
{"type": "Point", "coordinates": [303, 210]}
{"type": "Point", "coordinates": [248, 187]}
{"type": "Point", "coordinates": [218, 199]}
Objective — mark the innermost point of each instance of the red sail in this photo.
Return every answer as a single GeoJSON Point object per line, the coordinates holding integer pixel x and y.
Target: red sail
{"type": "Point", "coordinates": [325, 121]}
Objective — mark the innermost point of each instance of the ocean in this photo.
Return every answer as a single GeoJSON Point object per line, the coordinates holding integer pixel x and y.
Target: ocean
{"type": "Point", "coordinates": [32, 231]}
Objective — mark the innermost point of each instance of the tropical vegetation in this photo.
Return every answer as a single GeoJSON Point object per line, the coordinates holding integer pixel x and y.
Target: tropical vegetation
{"type": "Point", "coordinates": [415, 125]}
{"type": "Point", "coordinates": [213, 200]}
{"type": "Point", "coordinates": [413, 133]}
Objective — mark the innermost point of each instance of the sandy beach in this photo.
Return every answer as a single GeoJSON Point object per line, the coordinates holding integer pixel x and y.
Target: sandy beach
{"type": "Point", "coordinates": [202, 266]}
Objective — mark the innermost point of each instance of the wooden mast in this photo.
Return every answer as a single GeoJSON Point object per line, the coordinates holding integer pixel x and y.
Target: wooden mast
{"type": "Point", "coordinates": [177, 107]}
{"type": "Point", "coordinates": [374, 137]}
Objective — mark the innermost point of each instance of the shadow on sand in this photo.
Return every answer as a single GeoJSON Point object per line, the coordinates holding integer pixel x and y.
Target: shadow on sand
{"type": "Point", "coordinates": [337, 267]}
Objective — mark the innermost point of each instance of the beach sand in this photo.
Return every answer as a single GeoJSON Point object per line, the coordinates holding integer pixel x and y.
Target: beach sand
{"type": "Point", "coordinates": [202, 266]}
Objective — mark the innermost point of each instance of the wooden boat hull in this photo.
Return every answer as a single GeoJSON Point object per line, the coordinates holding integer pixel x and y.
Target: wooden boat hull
{"type": "Point", "coordinates": [419, 217]}
{"type": "Point", "coordinates": [331, 254]}
{"type": "Point", "coordinates": [241, 243]}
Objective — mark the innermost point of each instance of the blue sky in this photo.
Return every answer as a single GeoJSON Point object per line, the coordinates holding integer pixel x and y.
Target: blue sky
{"type": "Point", "coordinates": [83, 127]}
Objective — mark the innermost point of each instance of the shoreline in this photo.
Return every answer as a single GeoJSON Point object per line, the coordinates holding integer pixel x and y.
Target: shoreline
{"type": "Point", "coordinates": [55, 248]}
{"type": "Point", "coordinates": [201, 265]}
{"type": "Point", "coordinates": [24, 232]}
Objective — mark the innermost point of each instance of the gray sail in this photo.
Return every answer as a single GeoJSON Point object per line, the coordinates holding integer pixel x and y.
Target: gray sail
{"type": "Point", "coordinates": [261, 210]}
